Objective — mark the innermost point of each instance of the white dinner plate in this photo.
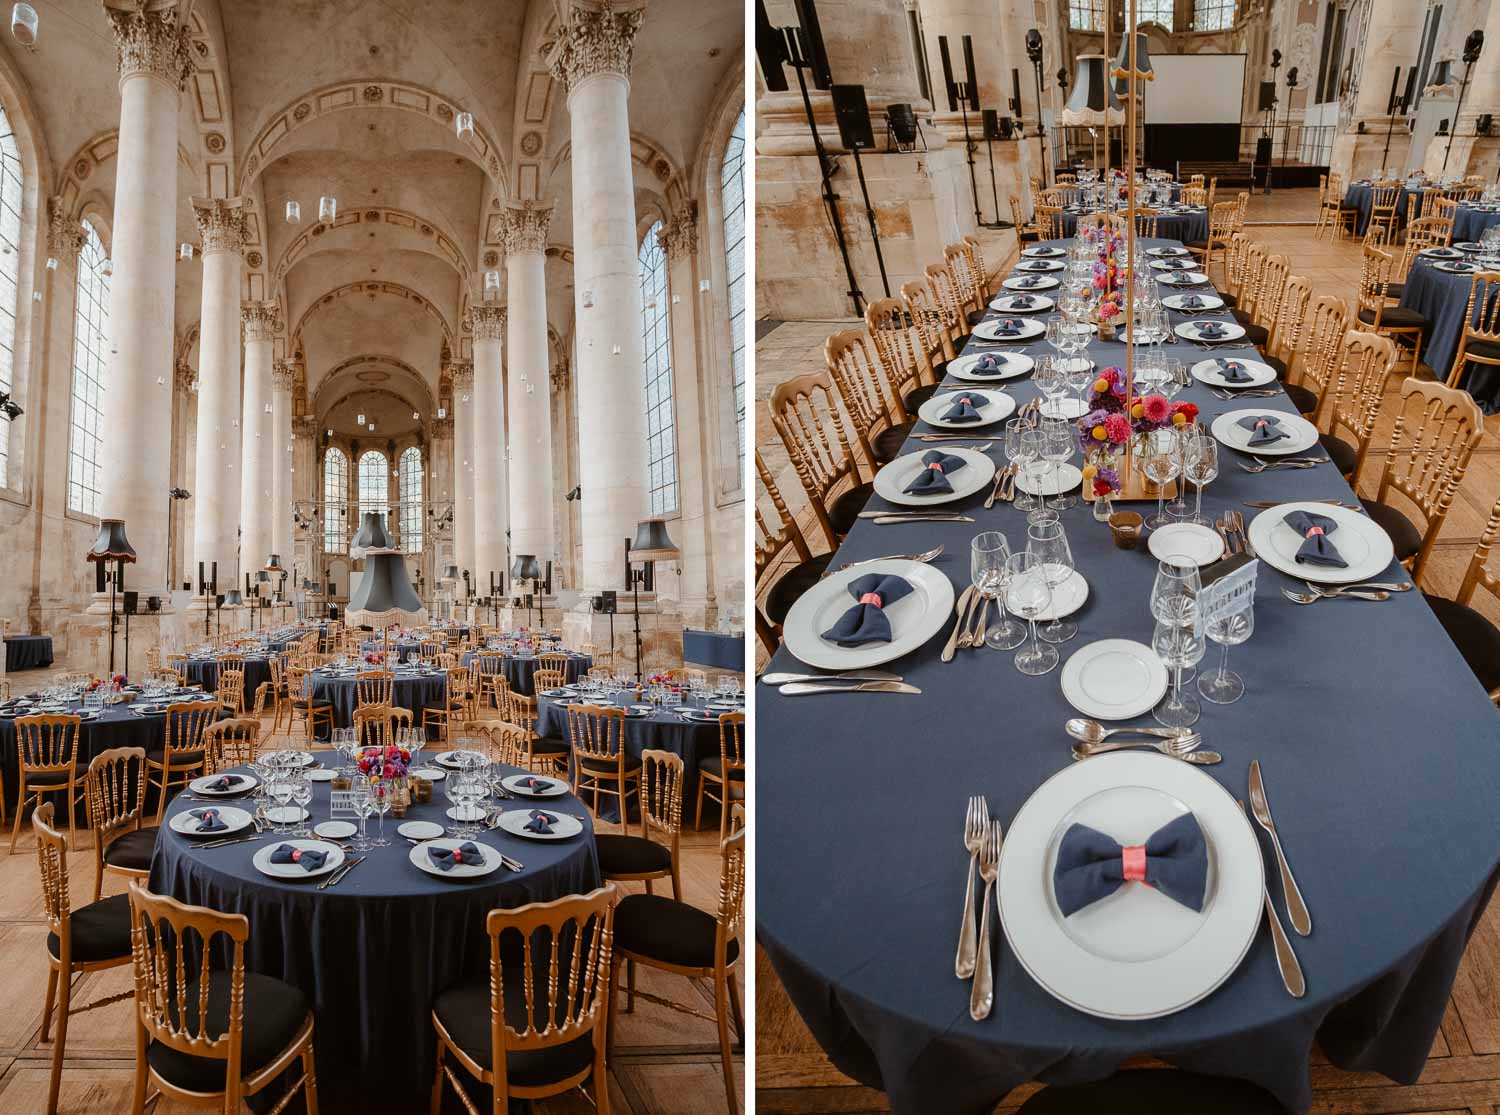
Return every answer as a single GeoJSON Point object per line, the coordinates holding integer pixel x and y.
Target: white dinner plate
{"type": "Point", "coordinates": [1441, 253]}
{"type": "Point", "coordinates": [450, 758]}
{"type": "Point", "coordinates": [1006, 304]}
{"type": "Point", "coordinates": [1063, 408]}
{"type": "Point", "coordinates": [1012, 364]}
{"type": "Point", "coordinates": [1114, 679]}
{"type": "Point", "coordinates": [287, 814]}
{"type": "Point", "coordinates": [1210, 302]}
{"type": "Point", "coordinates": [1198, 543]}
{"type": "Point", "coordinates": [1182, 278]}
{"type": "Point", "coordinates": [1359, 540]}
{"type": "Point", "coordinates": [556, 787]}
{"type": "Point", "coordinates": [891, 481]}
{"type": "Point", "coordinates": [1303, 434]}
{"type": "Point", "coordinates": [263, 864]}
{"type": "Point", "coordinates": [1233, 331]}
{"type": "Point", "coordinates": [998, 405]}
{"type": "Point", "coordinates": [423, 861]}
{"type": "Point", "coordinates": [289, 758]}
{"type": "Point", "coordinates": [1164, 253]}
{"type": "Point", "coordinates": [1030, 327]}
{"type": "Point", "coordinates": [1042, 251]}
{"type": "Point", "coordinates": [335, 830]}
{"type": "Point", "coordinates": [1470, 246]}
{"type": "Point", "coordinates": [322, 774]}
{"type": "Point", "coordinates": [1046, 479]}
{"type": "Point", "coordinates": [514, 821]}
{"type": "Point", "coordinates": [1171, 265]}
{"type": "Point", "coordinates": [1206, 371]}
{"type": "Point", "coordinates": [234, 820]}
{"type": "Point", "coordinates": [1067, 598]}
{"type": "Point", "coordinates": [1136, 954]}
{"type": "Point", "coordinates": [429, 774]}
{"type": "Point", "coordinates": [244, 784]}
{"type": "Point", "coordinates": [1030, 282]}
{"type": "Point", "coordinates": [420, 830]}
{"type": "Point", "coordinates": [1457, 267]}
{"type": "Point", "coordinates": [1035, 265]}
{"type": "Point", "coordinates": [914, 618]}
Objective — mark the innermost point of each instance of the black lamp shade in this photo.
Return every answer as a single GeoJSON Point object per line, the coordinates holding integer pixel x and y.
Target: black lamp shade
{"type": "Point", "coordinates": [385, 594]}
{"type": "Point", "coordinates": [309, 585]}
{"type": "Point", "coordinates": [1093, 99]}
{"type": "Point", "coordinates": [262, 577]}
{"type": "Point", "coordinates": [652, 543]}
{"type": "Point", "coordinates": [372, 534]}
{"type": "Point", "coordinates": [525, 568]}
{"type": "Point", "coordinates": [450, 573]}
{"type": "Point", "coordinates": [232, 598]}
{"type": "Point", "coordinates": [112, 545]}
{"type": "Point", "coordinates": [273, 565]}
{"type": "Point", "coordinates": [1142, 60]}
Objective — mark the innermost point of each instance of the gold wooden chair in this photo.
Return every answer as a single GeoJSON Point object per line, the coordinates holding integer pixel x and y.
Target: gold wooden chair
{"type": "Point", "coordinates": [1195, 180]}
{"type": "Point", "coordinates": [503, 742]}
{"type": "Point", "coordinates": [1446, 210]}
{"type": "Point", "coordinates": [1145, 221]}
{"type": "Point", "coordinates": [547, 680]}
{"type": "Point", "coordinates": [91, 938]}
{"type": "Point", "coordinates": [1480, 341]}
{"type": "Point", "coordinates": [945, 297]}
{"type": "Point", "coordinates": [181, 757]}
{"type": "Point", "coordinates": [115, 789]}
{"type": "Point", "coordinates": [981, 273]}
{"type": "Point", "coordinates": [377, 725]}
{"type": "Point", "coordinates": [1476, 638]}
{"type": "Point", "coordinates": [1384, 199]}
{"type": "Point", "coordinates": [47, 756]}
{"type": "Point", "coordinates": [231, 660]}
{"type": "Point", "coordinates": [806, 414]}
{"type": "Point", "coordinates": [927, 322]}
{"type": "Point", "coordinates": [880, 423]}
{"type": "Point", "coordinates": [1241, 207]}
{"type": "Point", "coordinates": [198, 1029]}
{"type": "Point", "coordinates": [1364, 365]}
{"type": "Point", "coordinates": [723, 779]}
{"type": "Point", "coordinates": [653, 854]}
{"type": "Point", "coordinates": [550, 1009]}
{"type": "Point", "coordinates": [1194, 195]}
{"type": "Point", "coordinates": [785, 567]}
{"type": "Point", "coordinates": [1436, 431]}
{"type": "Point", "coordinates": [177, 663]}
{"type": "Point", "coordinates": [229, 690]}
{"type": "Point", "coordinates": [374, 687]}
{"type": "Point", "coordinates": [1048, 221]}
{"type": "Point", "coordinates": [1319, 346]}
{"type": "Point", "coordinates": [543, 754]}
{"type": "Point", "coordinates": [458, 700]}
{"type": "Point", "coordinates": [230, 743]}
{"type": "Point", "coordinates": [601, 762]}
{"type": "Point", "coordinates": [281, 693]}
{"type": "Point", "coordinates": [1221, 226]}
{"type": "Point", "coordinates": [1259, 315]}
{"type": "Point", "coordinates": [673, 936]}
{"type": "Point", "coordinates": [1025, 230]}
{"type": "Point", "coordinates": [1421, 235]}
{"type": "Point", "coordinates": [965, 281]}
{"type": "Point", "coordinates": [1286, 330]}
{"type": "Point", "coordinates": [429, 649]}
{"type": "Point", "coordinates": [1377, 314]}
{"type": "Point", "coordinates": [488, 669]}
{"type": "Point", "coordinates": [314, 712]}
{"type": "Point", "coordinates": [901, 352]}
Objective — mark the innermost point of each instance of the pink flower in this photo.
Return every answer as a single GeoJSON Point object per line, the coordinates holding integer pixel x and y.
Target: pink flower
{"type": "Point", "coordinates": [1117, 427]}
{"type": "Point", "coordinates": [1155, 409]}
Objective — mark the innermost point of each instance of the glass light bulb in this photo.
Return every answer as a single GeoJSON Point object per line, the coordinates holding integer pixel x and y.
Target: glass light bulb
{"type": "Point", "coordinates": [328, 207]}
{"type": "Point", "coordinates": [293, 213]}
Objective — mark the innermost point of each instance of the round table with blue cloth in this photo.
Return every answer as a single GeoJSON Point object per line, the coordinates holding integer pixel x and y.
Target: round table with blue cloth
{"type": "Point", "coordinates": [414, 690]}
{"type": "Point", "coordinates": [1470, 222]}
{"type": "Point", "coordinates": [205, 672]}
{"type": "Point", "coordinates": [406, 649]}
{"type": "Point", "coordinates": [1442, 297]}
{"type": "Point", "coordinates": [27, 652]}
{"type": "Point", "coordinates": [520, 670]}
{"type": "Point", "coordinates": [1359, 198]}
{"type": "Point", "coordinates": [373, 952]}
{"type": "Point", "coordinates": [1186, 226]}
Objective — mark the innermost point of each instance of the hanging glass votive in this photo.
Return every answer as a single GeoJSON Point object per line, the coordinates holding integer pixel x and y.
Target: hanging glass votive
{"type": "Point", "coordinates": [463, 124]}
{"type": "Point", "coordinates": [293, 213]}
{"type": "Point", "coordinates": [328, 208]}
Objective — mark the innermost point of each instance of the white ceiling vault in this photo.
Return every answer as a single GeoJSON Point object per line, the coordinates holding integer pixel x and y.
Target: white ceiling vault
{"type": "Point", "coordinates": [293, 99]}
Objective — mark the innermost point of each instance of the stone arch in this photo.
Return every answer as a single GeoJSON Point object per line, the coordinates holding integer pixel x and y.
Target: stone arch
{"type": "Point", "coordinates": [78, 182]}
{"type": "Point", "coordinates": [666, 178]}
{"type": "Point", "coordinates": [370, 287]}
{"type": "Point", "coordinates": [443, 246]}
{"type": "Point", "coordinates": [319, 404]}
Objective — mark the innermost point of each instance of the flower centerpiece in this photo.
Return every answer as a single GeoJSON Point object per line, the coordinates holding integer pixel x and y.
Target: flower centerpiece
{"type": "Point", "coordinates": [375, 658]}
{"type": "Point", "coordinates": [393, 764]}
{"type": "Point", "coordinates": [1106, 430]}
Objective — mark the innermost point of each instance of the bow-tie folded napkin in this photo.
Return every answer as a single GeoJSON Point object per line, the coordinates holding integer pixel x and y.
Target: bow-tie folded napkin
{"type": "Point", "coordinates": [1030, 281]}
{"type": "Point", "coordinates": [1316, 549]}
{"type": "Point", "coordinates": [225, 782]}
{"type": "Point", "coordinates": [1191, 302]}
{"type": "Point", "coordinates": [867, 622]}
{"type": "Point", "coordinates": [1209, 330]}
{"type": "Point", "coordinates": [540, 822]}
{"type": "Point", "coordinates": [965, 407]}
{"type": "Point", "coordinates": [449, 858]}
{"type": "Point", "coordinates": [535, 784]}
{"type": "Point", "coordinates": [309, 859]}
{"type": "Point", "coordinates": [1008, 327]}
{"type": "Point", "coordinates": [1232, 371]}
{"type": "Point", "coordinates": [1091, 865]}
{"type": "Point", "coordinates": [208, 820]}
{"type": "Point", "coordinates": [1022, 302]}
{"type": "Point", "coordinates": [1264, 429]}
{"type": "Point", "coordinates": [937, 466]}
{"type": "Point", "coordinates": [989, 365]}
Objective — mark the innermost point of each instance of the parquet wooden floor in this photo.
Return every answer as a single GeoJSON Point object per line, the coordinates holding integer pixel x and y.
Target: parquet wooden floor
{"type": "Point", "coordinates": [1462, 1075]}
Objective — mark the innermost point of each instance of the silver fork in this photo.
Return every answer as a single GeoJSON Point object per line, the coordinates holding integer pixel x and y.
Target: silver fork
{"type": "Point", "coordinates": [1315, 597]}
{"type": "Point", "coordinates": [976, 821]}
{"type": "Point", "coordinates": [928, 556]}
{"type": "Point", "coordinates": [982, 997]}
{"type": "Point", "coordinates": [976, 623]}
{"type": "Point", "coordinates": [1284, 462]}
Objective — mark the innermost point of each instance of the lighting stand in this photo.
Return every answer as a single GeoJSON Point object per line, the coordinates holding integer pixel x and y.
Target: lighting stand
{"type": "Point", "coordinates": [1390, 113]}
{"type": "Point", "coordinates": [127, 634]}
{"type": "Point", "coordinates": [859, 169]}
{"type": "Point", "coordinates": [115, 582]}
{"type": "Point", "coordinates": [1041, 131]}
{"type": "Point", "coordinates": [961, 89]}
{"type": "Point", "coordinates": [1458, 112]}
{"type": "Point", "coordinates": [638, 577]}
{"type": "Point", "coordinates": [989, 150]}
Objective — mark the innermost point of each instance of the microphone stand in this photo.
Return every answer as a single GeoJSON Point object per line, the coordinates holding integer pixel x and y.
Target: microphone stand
{"type": "Point", "coordinates": [962, 88]}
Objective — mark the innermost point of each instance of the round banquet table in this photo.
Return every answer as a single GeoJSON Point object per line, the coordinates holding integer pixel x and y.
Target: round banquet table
{"type": "Point", "coordinates": [205, 672]}
{"type": "Point", "coordinates": [413, 690]}
{"type": "Point", "coordinates": [1442, 298]}
{"type": "Point", "coordinates": [406, 649]}
{"type": "Point", "coordinates": [27, 652]}
{"type": "Point", "coordinates": [1191, 224]}
{"type": "Point", "coordinates": [1383, 794]}
{"type": "Point", "coordinates": [1470, 222]}
{"type": "Point", "coordinates": [520, 670]}
{"type": "Point", "coordinates": [374, 951]}
{"type": "Point", "coordinates": [1360, 196]}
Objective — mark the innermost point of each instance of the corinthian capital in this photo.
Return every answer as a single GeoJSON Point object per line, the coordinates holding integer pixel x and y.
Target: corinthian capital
{"type": "Point", "coordinates": [284, 375]}
{"type": "Point", "coordinates": [463, 377]}
{"type": "Point", "coordinates": [221, 223]}
{"type": "Point", "coordinates": [596, 39]}
{"type": "Point", "coordinates": [680, 238]}
{"type": "Point", "coordinates": [65, 236]}
{"type": "Point", "coordinates": [487, 323]}
{"type": "Point", "coordinates": [523, 228]}
{"type": "Point", "coordinates": [150, 38]}
{"type": "Point", "coordinates": [262, 320]}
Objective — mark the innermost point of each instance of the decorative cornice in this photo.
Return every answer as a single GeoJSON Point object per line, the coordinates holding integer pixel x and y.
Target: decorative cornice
{"type": "Point", "coordinates": [679, 239]}
{"type": "Point", "coordinates": [283, 375]}
{"type": "Point", "coordinates": [305, 425]}
{"type": "Point", "coordinates": [65, 236]}
{"type": "Point", "coordinates": [524, 228]}
{"type": "Point", "coordinates": [150, 40]}
{"type": "Point", "coordinates": [595, 41]}
{"type": "Point", "coordinates": [487, 323]}
{"type": "Point", "coordinates": [221, 223]}
{"type": "Point", "coordinates": [262, 321]}
{"type": "Point", "coordinates": [463, 377]}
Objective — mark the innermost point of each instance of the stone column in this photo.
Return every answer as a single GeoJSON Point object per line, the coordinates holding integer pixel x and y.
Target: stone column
{"type": "Point", "coordinates": [463, 474]}
{"type": "Point", "coordinates": [491, 488]}
{"type": "Point", "coordinates": [592, 58]}
{"type": "Point", "coordinates": [528, 392]}
{"type": "Point", "coordinates": [152, 55]}
{"type": "Point", "coordinates": [216, 517]}
{"type": "Point", "coordinates": [283, 375]}
{"type": "Point", "coordinates": [1393, 38]}
{"type": "Point", "coordinates": [262, 321]}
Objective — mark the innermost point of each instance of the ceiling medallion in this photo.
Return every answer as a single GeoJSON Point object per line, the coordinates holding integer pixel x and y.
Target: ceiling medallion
{"type": "Point", "coordinates": [491, 258]}
{"type": "Point", "coordinates": [373, 93]}
{"type": "Point", "coordinates": [82, 168]}
{"type": "Point", "coordinates": [214, 142]}
{"type": "Point", "coordinates": [444, 112]}
{"type": "Point", "coordinates": [373, 215]}
{"type": "Point", "coordinates": [531, 143]}
{"type": "Point", "coordinates": [253, 259]}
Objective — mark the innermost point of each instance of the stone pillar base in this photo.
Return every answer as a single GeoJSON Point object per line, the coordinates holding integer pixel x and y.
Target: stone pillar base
{"type": "Point", "coordinates": [87, 638]}
{"type": "Point", "coordinates": [661, 633]}
{"type": "Point", "coordinates": [1360, 154]}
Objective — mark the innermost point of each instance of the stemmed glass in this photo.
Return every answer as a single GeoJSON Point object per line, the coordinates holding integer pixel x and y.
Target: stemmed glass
{"type": "Point", "coordinates": [302, 794]}
{"type": "Point", "coordinates": [281, 791]}
{"type": "Point", "coordinates": [1047, 542]}
{"type": "Point", "coordinates": [1161, 464]}
{"type": "Point", "coordinates": [1222, 686]}
{"type": "Point", "coordinates": [381, 793]}
{"type": "Point", "coordinates": [1055, 336]}
{"type": "Point", "coordinates": [1030, 595]}
{"type": "Point", "coordinates": [362, 799]}
{"type": "Point", "coordinates": [1200, 464]}
{"type": "Point", "coordinates": [1177, 646]}
{"type": "Point", "coordinates": [988, 554]}
{"type": "Point", "coordinates": [1080, 373]}
{"type": "Point", "coordinates": [1049, 380]}
{"type": "Point", "coordinates": [1022, 450]}
{"type": "Point", "coordinates": [1059, 441]}
{"type": "Point", "coordinates": [1174, 593]}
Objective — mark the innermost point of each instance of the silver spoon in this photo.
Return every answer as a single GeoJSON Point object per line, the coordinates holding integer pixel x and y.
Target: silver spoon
{"type": "Point", "coordinates": [1092, 732]}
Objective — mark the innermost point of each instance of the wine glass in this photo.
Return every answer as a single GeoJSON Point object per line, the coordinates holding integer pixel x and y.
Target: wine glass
{"type": "Point", "coordinates": [1059, 441]}
{"type": "Point", "coordinates": [1222, 686]}
{"type": "Point", "coordinates": [281, 793]}
{"type": "Point", "coordinates": [362, 800]}
{"type": "Point", "coordinates": [1177, 646]}
{"type": "Point", "coordinates": [381, 791]}
{"type": "Point", "coordinates": [1161, 464]}
{"type": "Point", "coordinates": [1049, 378]}
{"type": "Point", "coordinates": [1047, 542]}
{"type": "Point", "coordinates": [1021, 449]}
{"type": "Point", "coordinates": [1030, 595]}
{"type": "Point", "coordinates": [988, 553]}
{"type": "Point", "coordinates": [1174, 593]}
{"type": "Point", "coordinates": [1200, 464]}
{"type": "Point", "coordinates": [302, 795]}
{"type": "Point", "coordinates": [455, 792]}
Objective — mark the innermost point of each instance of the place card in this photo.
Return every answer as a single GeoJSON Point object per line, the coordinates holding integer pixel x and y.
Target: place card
{"type": "Point", "coordinates": [1225, 596]}
{"type": "Point", "coordinates": [341, 804]}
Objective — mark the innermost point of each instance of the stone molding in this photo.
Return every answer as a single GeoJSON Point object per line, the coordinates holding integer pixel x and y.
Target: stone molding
{"type": "Point", "coordinates": [486, 323]}
{"type": "Point", "coordinates": [65, 236]}
{"type": "Point", "coordinates": [221, 223]}
{"type": "Point", "coordinates": [679, 237]}
{"type": "Point", "coordinates": [262, 321]}
{"type": "Point", "coordinates": [152, 41]}
{"type": "Point", "coordinates": [524, 228]}
{"type": "Point", "coordinates": [595, 41]}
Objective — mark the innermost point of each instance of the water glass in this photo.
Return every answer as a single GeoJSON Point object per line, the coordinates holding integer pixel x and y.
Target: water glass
{"type": "Point", "coordinates": [1200, 464]}
{"type": "Point", "coordinates": [1022, 449]}
{"type": "Point", "coordinates": [362, 799]}
{"type": "Point", "coordinates": [1059, 439]}
{"type": "Point", "coordinates": [1030, 595]}
{"type": "Point", "coordinates": [1177, 646]}
{"type": "Point", "coordinates": [381, 791]}
{"type": "Point", "coordinates": [1047, 543]}
{"type": "Point", "coordinates": [1222, 686]}
{"type": "Point", "coordinates": [1161, 462]}
{"type": "Point", "coordinates": [988, 553]}
{"type": "Point", "coordinates": [302, 795]}
{"type": "Point", "coordinates": [1174, 593]}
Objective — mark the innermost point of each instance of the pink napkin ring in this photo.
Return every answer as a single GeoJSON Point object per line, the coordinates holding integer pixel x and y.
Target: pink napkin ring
{"type": "Point", "coordinates": [1313, 531]}
{"type": "Point", "coordinates": [936, 466]}
{"type": "Point", "coordinates": [872, 598]}
{"type": "Point", "coordinates": [1133, 862]}
{"type": "Point", "coordinates": [1259, 422]}
{"type": "Point", "coordinates": [296, 855]}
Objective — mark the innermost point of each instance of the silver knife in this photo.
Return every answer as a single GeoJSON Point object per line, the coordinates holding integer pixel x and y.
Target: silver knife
{"type": "Point", "coordinates": [861, 687]}
{"type": "Point", "coordinates": [891, 520]}
{"type": "Point", "coordinates": [1296, 908]}
{"type": "Point", "coordinates": [338, 875]}
{"type": "Point", "coordinates": [854, 675]}
{"type": "Point", "coordinates": [1286, 959]}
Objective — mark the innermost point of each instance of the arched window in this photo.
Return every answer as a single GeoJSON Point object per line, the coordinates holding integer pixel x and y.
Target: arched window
{"type": "Point", "coordinates": [10, 264]}
{"type": "Point", "coordinates": [335, 500]}
{"type": "Point", "coordinates": [374, 484]}
{"type": "Point", "coordinates": [656, 337]}
{"type": "Point", "coordinates": [1213, 15]}
{"type": "Point", "coordinates": [90, 350]}
{"type": "Point", "coordinates": [1155, 11]}
{"type": "Point", "coordinates": [411, 500]}
{"type": "Point", "coordinates": [732, 179]}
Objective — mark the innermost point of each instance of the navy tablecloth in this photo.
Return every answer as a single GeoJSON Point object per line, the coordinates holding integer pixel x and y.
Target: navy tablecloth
{"type": "Point", "coordinates": [205, 672]}
{"type": "Point", "coordinates": [373, 952]}
{"type": "Point", "coordinates": [1169, 226]}
{"type": "Point", "coordinates": [520, 670]}
{"type": "Point", "coordinates": [1361, 196]}
{"type": "Point", "coordinates": [1442, 297]}
{"type": "Point", "coordinates": [412, 691]}
{"type": "Point", "coordinates": [406, 649]}
{"type": "Point", "coordinates": [710, 648]}
{"type": "Point", "coordinates": [1395, 846]}
{"type": "Point", "coordinates": [27, 652]}
{"type": "Point", "coordinates": [1469, 223]}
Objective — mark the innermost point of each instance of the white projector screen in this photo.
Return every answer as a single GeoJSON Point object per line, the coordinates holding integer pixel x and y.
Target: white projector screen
{"type": "Point", "coordinates": [1196, 89]}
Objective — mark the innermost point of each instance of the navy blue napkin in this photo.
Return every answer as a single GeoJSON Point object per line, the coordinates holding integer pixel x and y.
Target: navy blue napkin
{"type": "Point", "coordinates": [448, 858]}
{"type": "Point", "coordinates": [937, 466]}
{"type": "Point", "coordinates": [540, 822]}
{"type": "Point", "coordinates": [1029, 281]}
{"type": "Point", "coordinates": [990, 364]}
{"type": "Point", "coordinates": [1232, 371]}
{"type": "Point", "coordinates": [1008, 327]}
{"type": "Point", "coordinates": [1091, 865]}
{"type": "Point", "coordinates": [536, 785]}
{"type": "Point", "coordinates": [225, 782]}
{"type": "Point", "coordinates": [1316, 549]}
{"type": "Point", "coordinates": [867, 622]}
{"type": "Point", "coordinates": [208, 820]}
{"type": "Point", "coordinates": [1265, 429]}
{"type": "Point", "coordinates": [965, 407]}
{"type": "Point", "coordinates": [1022, 302]}
{"type": "Point", "coordinates": [1191, 302]}
{"type": "Point", "coordinates": [1210, 330]}
{"type": "Point", "coordinates": [309, 859]}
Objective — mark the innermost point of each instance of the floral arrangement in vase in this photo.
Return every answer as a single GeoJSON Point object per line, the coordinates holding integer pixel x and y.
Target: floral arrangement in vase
{"type": "Point", "coordinates": [114, 684]}
{"type": "Point", "coordinates": [1105, 431]}
{"type": "Point", "coordinates": [394, 762]}
{"type": "Point", "coordinates": [375, 658]}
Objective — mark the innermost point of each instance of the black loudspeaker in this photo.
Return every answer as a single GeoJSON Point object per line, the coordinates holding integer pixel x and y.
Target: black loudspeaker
{"type": "Point", "coordinates": [770, 49]}
{"type": "Point", "coordinates": [853, 116]}
{"type": "Point", "coordinates": [903, 121]}
{"type": "Point", "coordinates": [219, 600]}
{"type": "Point", "coordinates": [153, 603]}
{"type": "Point", "coordinates": [995, 125]}
{"type": "Point", "coordinates": [948, 86]}
{"type": "Point", "coordinates": [1443, 126]}
{"type": "Point", "coordinates": [132, 603]}
{"type": "Point", "coordinates": [609, 602]}
{"type": "Point", "coordinates": [1267, 97]}
{"type": "Point", "coordinates": [187, 586]}
{"type": "Point", "coordinates": [1263, 151]}
{"type": "Point", "coordinates": [1015, 89]}
{"type": "Point", "coordinates": [333, 611]}
{"type": "Point", "coordinates": [1483, 123]}
{"type": "Point", "coordinates": [973, 82]}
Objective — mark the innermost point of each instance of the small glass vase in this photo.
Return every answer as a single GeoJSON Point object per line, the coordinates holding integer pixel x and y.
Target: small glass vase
{"type": "Point", "coordinates": [1104, 507]}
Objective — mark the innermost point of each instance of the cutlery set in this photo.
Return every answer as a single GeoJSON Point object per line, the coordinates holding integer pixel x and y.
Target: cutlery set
{"type": "Point", "coordinates": [1004, 488]}
{"type": "Point", "coordinates": [1231, 528]}
{"type": "Point", "coordinates": [338, 876]}
{"type": "Point", "coordinates": [1282, 462]}
{"type": "Point", "coordinates": [1372, 590]}
{"type": "Point", "coordinates": [1178, 743]}
{"type": "Point", "coordinates": [972, 615]}
{"type": "Point", "coordinates": [982, 840]}
{"type": "Point", "coordinates": [1254, 393]}
{"type": "Point", "coordinates": [889, 518]}
{"type": "Point", "coordinates": [853, 681]}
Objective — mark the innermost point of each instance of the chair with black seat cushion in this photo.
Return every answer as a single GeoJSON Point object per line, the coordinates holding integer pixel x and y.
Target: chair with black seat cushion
{"type": "Point", "coordinates": [115, 790]}
{"type": "Point", "coordinates": [374, 687]}
{"type": "Point", "coordinates": [1246, 284]}
{"type": "Point", "coordinates": [1285, 328]}
{"type": "Point", "coordinates": [47, 753]}
{"type": "Point", "coordinates": [1048, 219]}
{"type": "Point", "coordinates": [211, 1037]}
{"type": "Point", "coordinates": [653, 854]}
{"type": "Point", "coordinates": [601, 763]}
{"type": "Point", "coordinates": [901, 351]}
{"type": "Point", "coordinates": [88, 939]}
{"type": "Point", "coordinates": [1480, 341]}
{"type": "Point", "coordinates": [1307, 371]}
{"type": "Point", "coordinates": [1437, 429]}
{"type": "Point", "coordinates": [545, 754]}
{"type": "Point", "coordinates": [1269, 292]}
{"type": "Point", "coordinates": [716, 775]}
{"type": "Point", "coordinates": [549, 977]}
{"type": "Point", "coordinates": [455, 702]}
{"type": "Point", "coordinates": [1422, 234]}
{"type": "Point", "coordinates": [806, 413]}
{"type": "Point", "coordinates": [182, 757]}
{"type": "Point", "coordinates": [965, 279]}
{"type": "Point", "coordinates": [673, 936]}
{"type": "Point", "coordinates": [1375, 310]}
{"type": "Point", "coordinates": [1363, 366]}
{"type": "Point", "coordinates": [785, 567]}
{"type": "Point", "coordinates": [880, 422]}
{"type": "Point", "coordinates": [1155, 1092]}
{"type": "Point", "coordinates": [1477, 639]}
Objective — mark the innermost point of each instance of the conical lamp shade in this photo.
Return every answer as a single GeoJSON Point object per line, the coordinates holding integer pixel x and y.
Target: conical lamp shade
{"type": "Point", "coordinates": [384, 594]}
{"type": "Point", "coordinates": [371, 535]}
{"type": "Point", "coordinates": [1142, 60]}
{"type": "Point", "coordinates": [1093, 99]}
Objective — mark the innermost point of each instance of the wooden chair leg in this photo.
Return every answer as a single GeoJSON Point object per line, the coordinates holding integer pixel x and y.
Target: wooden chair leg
{"type": "Point", "coordinates": [51, 995]}
{"type": "Point", "coordinates": [630, 986]}
{"type": "Point", "coordinates": [15, 832]}
{"type": "Point", "coordinates": [310, 1084]}
{"type": "Point", "coordinates": [698, 814]}
{"type": "Point", "coordinates": [614, 1003]}
{"type": "Point", "coordinates": [601, 1086]}
{"type": "Point", "coordinates": [437, 1080]}
{"type": "Point", "coordinates": [721, 1013]}
{"type": "Point", "coordinates": [98, 871]}
{"type": "Point", "coordinates": [64, 993]}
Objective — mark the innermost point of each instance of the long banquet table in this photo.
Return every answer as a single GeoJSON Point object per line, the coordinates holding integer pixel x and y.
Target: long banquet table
{"type": "Point", "coordinates": [1442, 298]}
{"type": "Point", "coordinates": [1470, 221]}
{"type": "Point", "coordinates": [1379, 753]}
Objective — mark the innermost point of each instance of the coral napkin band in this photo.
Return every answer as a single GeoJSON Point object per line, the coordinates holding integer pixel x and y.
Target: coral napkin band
{"type": "Point", "coordinates": [966, 399]}
{"type": "Point", "coordinates": [1311, 531]}
{"type": "Point", "coordinates": [1133, 861]}
{"type": "Point", "coordinates": [936, 466]}
{"type": "Point", "coordinates": [872, 598]}
{"type": "Point", "coordinates": [1259, 422]}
